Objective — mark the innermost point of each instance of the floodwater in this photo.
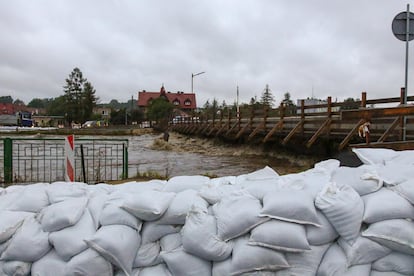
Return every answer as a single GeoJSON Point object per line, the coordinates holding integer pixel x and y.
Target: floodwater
{"type": "Point", "coordinates": [142, 158]}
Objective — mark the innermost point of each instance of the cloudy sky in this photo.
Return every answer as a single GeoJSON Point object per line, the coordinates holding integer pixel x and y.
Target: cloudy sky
{"type": "Point", "coordinates": [308, 48]}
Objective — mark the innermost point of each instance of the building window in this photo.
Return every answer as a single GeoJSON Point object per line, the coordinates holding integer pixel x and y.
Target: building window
{"type": "Point", "coordinates": [187, 102]}
{"type": "Point", "coordinates": [176, 102]}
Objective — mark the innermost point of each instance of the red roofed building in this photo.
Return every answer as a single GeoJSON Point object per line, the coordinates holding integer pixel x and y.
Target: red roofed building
{"type": "Point", "coordinates": [7, 108]}
{"type": "Point", "coordinates": [183, 101]}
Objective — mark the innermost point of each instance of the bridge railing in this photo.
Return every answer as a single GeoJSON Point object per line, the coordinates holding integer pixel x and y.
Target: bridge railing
{"type": "Point", "coordinates": [335, 120]}
{"type": "Point", "coordinates": [31, 160]}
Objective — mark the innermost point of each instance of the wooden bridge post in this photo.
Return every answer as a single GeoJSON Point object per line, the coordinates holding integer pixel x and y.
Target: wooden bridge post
{"type": "Point", "coordinates": [329, 106]}
{"type": "Point", "coordinates": [402, 125]}
{"type": "Point", "coordinates": [302, 115]}
{"type": "Point", "coordinates": [364, 99]}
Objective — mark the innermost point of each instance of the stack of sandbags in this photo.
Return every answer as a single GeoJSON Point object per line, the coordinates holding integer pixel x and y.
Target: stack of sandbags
{"type": "Point", "coordinates": [329, 220]}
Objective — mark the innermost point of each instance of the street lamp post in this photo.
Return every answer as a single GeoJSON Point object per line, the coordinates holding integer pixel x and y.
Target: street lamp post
{"type": "Point", "coordinates": [192, 81]}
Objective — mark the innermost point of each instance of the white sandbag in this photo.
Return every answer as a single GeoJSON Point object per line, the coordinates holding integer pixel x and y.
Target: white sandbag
{"type": "Point", "coordinates": [15, 268]}
{"type": "Point", "coordinates": [152, 231]}
{"type": "Point", "coordinates": [59, 191]}
{"type": "Point", "coordinates": [310, 181]}
{"type": "Point", "coordinates": [290, 205]}
{"type": "Point", "coordinates": [363, 179]}
{"type": "Point", "coordinates": [222, 268]}
{"type": "Point", "coordinates": [213, 194]}
{"type": "Point", "coordinates": [396, 234]}
{"type": "Point", "coordinates": [96, 205]}
{"type": "Point", "coordinates": [90, 263]}
{"type": "Point", "coordinates": [405, 189]}
{"type": "Point", "coordinates": [161, 270]}
{"type": "Point", "coordinates": [387, 273]}
{"type": "Point", "coordinates": [32, 198]}
{"type": "Point", "coordinates": [262, 174]}
{"type": "Point", "coordinates": [328, 166]}
{"type": "Point", "coordinates": [9, 196]}
{"type": "Point", "coordinates": [224, 180]}
{"type": "Point", "coordinates": [395, 173]}
{"type": "Point", "coordinates": [134, 272]}
{"type": "Point", "coordinates": [4, 245]}
{"type": "Point", "coordinates": [323, 234]}
{"type": "Point", "coordinates": [171, 242]}
{"type": "Point", "coordinates": [360, 270]}
{"type": "Point", "coordinates": [182, 263]}
{"type": "Point", "coordinates": [251, 258]}
{"type": "Point", "coordinates": [344, 209]}
{"type": "Point", "coordinates": [397, 262]}
{"type": "Point", "coordinates": [178, 184]}
{"type": "Point", "coordinates": [363, 251]}
{"type": "Point", "coordinates": [280, 235]}
{"type": "Point", "coordinates": [199, 237]}
{"type": "Point", "coordinates": [334, 262]}
{"type": "Point", "coordinates": [49, 265]}
{"type": "Point", "coordinates": [304, 263]}
{"type": "Point", "coordinates": [386, 204]}
{"type": "Point", "coordinates": [148, 205]}
{"type": "Point", "coordinates": [10, 221]}
{"type": "Point", "coordinates": [260, 188]}
{"type": "Point", "coordinates": [373, 156]}
{"type": "Point", "coordinates": [142, 186]}
{"type": "Point", "coordinates": [148, 255]}
{"type": "Point", "coordinates": [62, 214]}
{"type": "Point", "coordinates": [236, 215]}
{"type": "Point", "coordinates": [181, 205]}
{"type": "Point", "coordinates": [113, 213]}
{"type": "Point", "coordinates": [116, 243]}
{"type": "Point", "coordinates": [28, 244]}
{"type": "Point", "coordinates": [70, 240]}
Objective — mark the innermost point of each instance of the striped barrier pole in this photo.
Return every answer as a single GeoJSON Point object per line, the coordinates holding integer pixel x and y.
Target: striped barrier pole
{"type": "Point", "coordinates": [70, 158]}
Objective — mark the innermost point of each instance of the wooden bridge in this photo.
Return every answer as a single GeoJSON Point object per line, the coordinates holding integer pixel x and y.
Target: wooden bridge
{"type": "Point", "coordinates": [326, 126]}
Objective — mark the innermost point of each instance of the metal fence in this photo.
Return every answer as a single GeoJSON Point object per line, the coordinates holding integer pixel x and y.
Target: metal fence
{"type": "Point", "coordinates": [31, 160]}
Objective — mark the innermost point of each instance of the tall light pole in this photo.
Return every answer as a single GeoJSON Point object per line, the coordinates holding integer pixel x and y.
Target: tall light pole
{"type": "Point", "coordinates": [192, 81]}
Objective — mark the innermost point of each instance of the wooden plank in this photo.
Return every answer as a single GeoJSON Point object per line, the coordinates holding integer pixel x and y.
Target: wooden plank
{"type": "Point", "coordinates": [242, 131]}
{"type": "Point", "coordinates": [348, 137]}
{"type": "Point", "coordinates": [276, 127]}
{"type": "Point", "coordinates": [292, 132]}
{"type": "Point", "coordinates": [377, 112]}
{"type": "Point", "coordinates": [255, 131]}
{"type": "Point", "coordinates": [315, 136]}
{"type": "Point", "coordinates": [389, 130]}
{"type": "Point", "coordinates": [221, 129]}
{"type": "Point", "coordinates": [231, 129]}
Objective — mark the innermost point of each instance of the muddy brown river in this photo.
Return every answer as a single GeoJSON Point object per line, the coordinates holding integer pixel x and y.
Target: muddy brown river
{"type": "Point", "coordinates": [189, 156]}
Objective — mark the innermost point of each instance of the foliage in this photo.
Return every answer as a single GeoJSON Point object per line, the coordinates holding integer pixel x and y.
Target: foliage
{"type": "Point", "coordinates": [350, 103]}
{"type": "Point", "coordinates": [39, 103]}
{"type": "Point", "coordinates": [290, 107]}
{"type": "Point", "coordinates": [55, 105]}
{"type": "Point", "coordinates": [6, 99]}
{"type": "Point", "coordinates": [267, 98]}
{"type": "Point", "coordinates": [160, 110]}
{"type": "Point", "coordinates": [18, 102]}
{"type": "Point", "coordinates": [79, 97]}
{"type": "Point", "coordinates": [118, 116]}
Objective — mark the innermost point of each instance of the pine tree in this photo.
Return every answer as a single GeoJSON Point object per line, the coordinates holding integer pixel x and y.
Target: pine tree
{"type": "Point", "coordinates": [79, 97]}
{"type": "Point", "coordinates": [267, 98]}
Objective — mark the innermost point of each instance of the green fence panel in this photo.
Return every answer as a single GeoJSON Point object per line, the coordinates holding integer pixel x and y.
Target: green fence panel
{"type": "Point", "coordinates": [8, 160]}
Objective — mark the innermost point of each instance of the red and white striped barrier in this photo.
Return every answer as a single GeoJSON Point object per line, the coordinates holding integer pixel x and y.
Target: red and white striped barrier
{"type": "Point", "coordinates": [70, 158]}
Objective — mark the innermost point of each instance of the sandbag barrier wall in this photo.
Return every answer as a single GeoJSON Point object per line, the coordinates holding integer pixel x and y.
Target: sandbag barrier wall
{"type": "Point", "coordinates": [329, 220]}
{"type": "Point", "coordinates": [30, 160]}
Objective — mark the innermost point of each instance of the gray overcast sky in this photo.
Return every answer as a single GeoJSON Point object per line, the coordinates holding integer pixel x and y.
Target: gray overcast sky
{"type": "Point", "coordinates": [334, 48]}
